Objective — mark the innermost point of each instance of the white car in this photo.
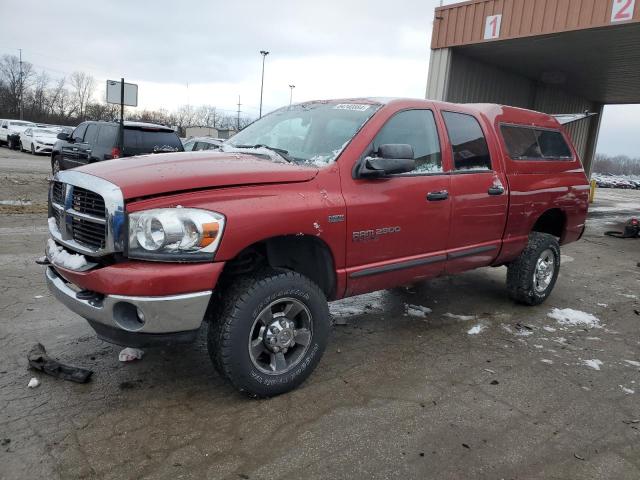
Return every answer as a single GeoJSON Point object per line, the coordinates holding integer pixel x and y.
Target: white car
{"type": "Point", "coordinates": [10, 131]}
{"type": "Point", "coordinates": [38, 140]}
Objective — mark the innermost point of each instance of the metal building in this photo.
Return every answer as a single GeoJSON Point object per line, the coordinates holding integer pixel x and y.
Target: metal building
{"type": "Point", "coordinates": [556, 56]}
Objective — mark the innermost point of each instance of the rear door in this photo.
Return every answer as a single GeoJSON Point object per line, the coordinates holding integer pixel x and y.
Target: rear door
{"type": "Point", "coordinates": [398, 224]}
{"type": "Point", "coordinates": [478, 191]}
{"type": "Point", "coordinates": [70, 158]}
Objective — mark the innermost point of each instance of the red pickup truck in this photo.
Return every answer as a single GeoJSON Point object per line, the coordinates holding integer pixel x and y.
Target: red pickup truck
{"type": "Point", "coordinates": [312, 203]}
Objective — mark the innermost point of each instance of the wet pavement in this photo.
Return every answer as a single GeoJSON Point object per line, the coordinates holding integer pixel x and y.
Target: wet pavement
{"type": "Point", "coordinates": [403, 391]}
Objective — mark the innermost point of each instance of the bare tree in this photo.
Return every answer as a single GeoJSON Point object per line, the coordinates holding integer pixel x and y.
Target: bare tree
{"type": "Point", "coordinates": [83, 86]}
{"type": "Point", "coordinates": [17, 79]}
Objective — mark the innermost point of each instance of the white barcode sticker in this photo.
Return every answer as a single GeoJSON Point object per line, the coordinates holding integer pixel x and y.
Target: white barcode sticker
{"type": "Point", "coordinates": [358, 107]}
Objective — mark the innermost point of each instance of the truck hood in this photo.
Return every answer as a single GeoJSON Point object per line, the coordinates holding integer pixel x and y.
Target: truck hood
{"type": "Point", "coordinates": [149, 175]}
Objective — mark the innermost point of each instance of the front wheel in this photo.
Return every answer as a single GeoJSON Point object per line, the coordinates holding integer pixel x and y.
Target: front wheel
{"type": "Point", "coordinates": [33, 150]}
{"type": "Point", "coordinates": [55, 164]}
{"type": "Point", "coordinates": [269, 332]}
{"type": "Point", "coordinates": [532, 276]}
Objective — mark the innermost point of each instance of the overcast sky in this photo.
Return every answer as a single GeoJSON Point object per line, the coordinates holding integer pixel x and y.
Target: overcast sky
{"type": "Point", "coordinates": [327, 49]}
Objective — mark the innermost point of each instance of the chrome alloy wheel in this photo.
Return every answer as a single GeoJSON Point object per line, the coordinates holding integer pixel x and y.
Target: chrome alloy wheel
{"type": "Point", "coordinates": [280, 336]}
{"type": "Point", "coordinates": [545, 268]}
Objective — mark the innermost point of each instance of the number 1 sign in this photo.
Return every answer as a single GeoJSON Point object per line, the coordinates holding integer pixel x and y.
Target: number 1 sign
{"type": "Point", "coordinates": [492, 27]}
{"type": "Point", "coordinates": [622, 10]}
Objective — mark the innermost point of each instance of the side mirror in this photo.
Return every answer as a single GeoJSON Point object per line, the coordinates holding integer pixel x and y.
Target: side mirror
{"type": "Point", "coordinates": [5, 126]}
{"type": "Point", "coordinates": [63, 136]}
{"type": "Point", "coordinates": [391, 159]}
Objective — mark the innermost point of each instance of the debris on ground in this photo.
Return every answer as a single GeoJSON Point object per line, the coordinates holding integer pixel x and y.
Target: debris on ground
{"type": "Point", "coordinates": [39, 360]}
{"type": "Point", "coordinates": [5, 441]}
{"type": "Point", "coordinates": [632, 362]}
{"type": "Point", "coordinates": [574, 318]}
{"type": "Point", "coordinates": [462, 318]}
{"type": "Point", "coordinates": [594, 363]}
{"type": "Point", "coordinates": [130, 354]}
{"type": "Point", "coordinates": [578, 456]}
{"type": "Point", "coordinates": [417, 310]}
{"type": "Point", "coordinates": [476, 329]}
{"type": "Point", "coordinates": [626, 390]}
{"type": "Point", "coordinates": [33, 383]}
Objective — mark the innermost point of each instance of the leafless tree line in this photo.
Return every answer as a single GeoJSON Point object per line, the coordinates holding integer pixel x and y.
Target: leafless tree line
{"type": "Point", "coordinates": [71, 100]}
{"type": "Point", "coordinates": [616, 165]}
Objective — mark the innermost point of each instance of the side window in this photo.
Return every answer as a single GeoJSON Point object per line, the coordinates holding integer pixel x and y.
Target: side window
{"type": "Point", "coordinates": [91, 134]}
{"type": "Point", "coordinates": [527, 143]}
{"type": "Point", "coordinates": [107, 136]}
{"type": "Point", "coordinates": [78, 133]}
{"type": "Point", "coordinates": [418, 129]}
{"type": "Point", "coordinates": [201, 146]}
{"type": "Point", "coordinates": [188, 146]}
{"type": "Point", "coordinates": [469, 146]}
{"type": "Point", "coordinates": [552, 144]}
{"type": "Point", "coordinates": [521, 142]}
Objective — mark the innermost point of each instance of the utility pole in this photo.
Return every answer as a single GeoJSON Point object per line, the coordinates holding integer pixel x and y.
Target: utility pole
{"type": "Point", "coordinates": [20, 83]}
{"type": "Point", "coordinates": [291, 93]}
{"type": "Point", "coordinates": [238, 121]}
{"type": "Point", "coordinates": [264, 54]}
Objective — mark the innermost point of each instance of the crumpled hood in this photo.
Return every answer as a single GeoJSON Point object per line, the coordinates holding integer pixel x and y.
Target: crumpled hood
{"type": "Point", "coordinates": [149, 175]}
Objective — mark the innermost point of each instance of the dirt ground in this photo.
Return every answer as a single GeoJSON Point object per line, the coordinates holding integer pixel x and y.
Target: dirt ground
{"type": "Point", "coordinates": [400, 393]}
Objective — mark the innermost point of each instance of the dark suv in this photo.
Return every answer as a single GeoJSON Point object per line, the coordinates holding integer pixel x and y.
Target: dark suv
{"type": "Point", "coordinates": [96, 141]}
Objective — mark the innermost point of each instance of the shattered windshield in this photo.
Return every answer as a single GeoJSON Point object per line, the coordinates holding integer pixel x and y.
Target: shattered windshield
{"type": "Point", "coordinates": [311, 133]}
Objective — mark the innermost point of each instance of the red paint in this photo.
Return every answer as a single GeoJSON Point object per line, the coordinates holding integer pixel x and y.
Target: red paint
{"type": "Point", "coordinates": [262, 199]}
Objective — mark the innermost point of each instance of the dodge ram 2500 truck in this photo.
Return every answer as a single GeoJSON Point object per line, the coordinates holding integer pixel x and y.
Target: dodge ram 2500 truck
{"type": "Point", "coordinates": [312, 203]}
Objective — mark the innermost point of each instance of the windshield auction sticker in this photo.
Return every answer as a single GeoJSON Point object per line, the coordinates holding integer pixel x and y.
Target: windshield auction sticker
{"type": "Point", "coordinates": [358, 107]}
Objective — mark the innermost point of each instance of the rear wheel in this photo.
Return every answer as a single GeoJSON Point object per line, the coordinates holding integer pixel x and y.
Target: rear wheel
{"type": "Point", "coordinates": [269, 332]}
{"type": "Point", "coordinates": [21, 146]}
{"type": "Point", "coordinates": [532, 276]}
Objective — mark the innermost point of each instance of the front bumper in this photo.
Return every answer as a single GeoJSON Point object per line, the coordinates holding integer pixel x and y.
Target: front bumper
{"type": "Point", "coordinates": [135, 320]}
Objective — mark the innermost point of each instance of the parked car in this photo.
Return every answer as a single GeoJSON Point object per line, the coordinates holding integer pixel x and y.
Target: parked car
{"type": "Point", "coordinates": [97, 141]}
{"type": "Point", "coordinates": [38, 140]}
{"type": "Point", "coordinates": [10, 131]}
{"type": "Point", "coordinates": [201, 143]}
{"type": "Point", "coordinates": [313, 202]}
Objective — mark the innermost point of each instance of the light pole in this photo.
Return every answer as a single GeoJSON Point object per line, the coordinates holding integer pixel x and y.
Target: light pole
{"type": "Point", "coordinates": [264, 54]}
{"type": "Point", "coordinates": [291, 93]}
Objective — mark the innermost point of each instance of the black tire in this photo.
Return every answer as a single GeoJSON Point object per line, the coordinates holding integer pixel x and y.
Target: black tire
{"type": "Point", "coordinates": [21, 147]}
{"type": "Point", "coordinates": [55, 164]}
{"type": "Point", "coordinates": [235, 320]}
{"type": "Point", "coordinates": [33, 150]}
{"type": "Point", "coordinates": [522, 282]}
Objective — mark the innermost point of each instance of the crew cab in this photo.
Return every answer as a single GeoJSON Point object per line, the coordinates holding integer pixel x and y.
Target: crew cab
{"type": "Point", "coordinates": [312, 203]}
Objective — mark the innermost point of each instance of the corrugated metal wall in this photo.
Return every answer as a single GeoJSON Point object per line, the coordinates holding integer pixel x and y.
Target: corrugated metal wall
{"type": "Point", "coordinates": [465, 80]}
{"type": "Point", "coordinates": [463, 23]}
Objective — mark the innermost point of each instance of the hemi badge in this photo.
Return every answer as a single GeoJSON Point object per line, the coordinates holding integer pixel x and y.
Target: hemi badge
{"type": "Point", "coordinates": [336, 218]}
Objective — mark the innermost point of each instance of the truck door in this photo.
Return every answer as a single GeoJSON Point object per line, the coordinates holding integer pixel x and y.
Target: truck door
{"type": "Point", "coordinates": [69, 149]}
{"type": "Point", "coordinates": [478, 193]}
{"type": "Point", "coordinates": [85, 148]}
{"type": "Point", "coordinates": [397, 226]}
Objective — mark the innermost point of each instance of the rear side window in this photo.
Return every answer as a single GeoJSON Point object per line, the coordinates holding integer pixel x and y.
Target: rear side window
{"type": "Point", "coordinates": [468, 143]}
{"type": "Point", "coordinates": [107, 136]}
{"type": "Point", "coordinates": [526, 143]}
{"type": "Point", "coordinates": [418, 129]}
{"type": "Point", "coordinates": [148, 141]}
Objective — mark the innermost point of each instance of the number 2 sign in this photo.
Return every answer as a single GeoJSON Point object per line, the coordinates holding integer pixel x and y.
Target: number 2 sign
{"type": "Point", "coordinates": [492, 27]}
{"type": "Point", "coordinates": [622, 10]}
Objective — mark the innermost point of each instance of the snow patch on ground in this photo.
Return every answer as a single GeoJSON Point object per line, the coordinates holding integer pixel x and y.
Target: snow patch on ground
{"type": "Point", "coordinates": [358, 305]}
{"type": "Point", "coordinates": [15, 203]}
{"type": "Point", "coordinates": [59, 256]}
{"type": "Point", "coordinates": [603, 305]}
{"type": "Point", "coordinates": [626, 390]}
{"type": "Point", "coordinates": [566, 259]}
{"type": "Point", "coordinates": [546, 360]}
{"type": "Point", "coordinates": [549, 329]}
{"type": "Point", "coordinates": [417, 310]}
{"type": "Point", "coordinates": [593, 363]}
{"type": "Point", "coordinates": [627, 295]}
{"type": "Point", "coordinates": [633, 362]}
{"type": "Point", "coordinates": [576, 318]}
{"type": "Point", "coordinates": [476, 329]}
{"type": "Point", "coordinates": [462, 318]}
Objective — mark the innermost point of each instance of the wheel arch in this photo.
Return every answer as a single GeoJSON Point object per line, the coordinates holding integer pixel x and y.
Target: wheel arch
{"type": "Point", "coordinates": [306, 254]}
{"type": "Point", "coordinates": [552, 221]}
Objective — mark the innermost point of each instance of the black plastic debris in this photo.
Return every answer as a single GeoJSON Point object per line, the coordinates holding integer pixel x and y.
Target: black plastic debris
{"type": "Point", "coordinates": [39, 360]}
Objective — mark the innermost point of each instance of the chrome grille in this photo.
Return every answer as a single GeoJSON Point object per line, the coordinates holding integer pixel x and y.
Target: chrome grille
{"type": "Point", "coordinates": [88, 213]}
{"type": "Point", "coordinates": [85, 201]}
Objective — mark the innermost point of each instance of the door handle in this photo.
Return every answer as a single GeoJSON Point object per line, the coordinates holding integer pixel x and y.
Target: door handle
{"type": "Point", "coordinates": [496, 190]}
{"type": "Point", "coordinates": [437, 196]}
{"type": "Point", "coordinates": [74, 149]}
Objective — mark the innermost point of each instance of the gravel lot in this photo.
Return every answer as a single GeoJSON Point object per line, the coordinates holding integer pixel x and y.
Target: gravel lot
{"type": "Point", "coordinates": [396, 395]}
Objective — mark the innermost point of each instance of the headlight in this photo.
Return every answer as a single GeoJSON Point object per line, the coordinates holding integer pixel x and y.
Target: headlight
{"type": "Point", "coordinates": [175, 234]}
